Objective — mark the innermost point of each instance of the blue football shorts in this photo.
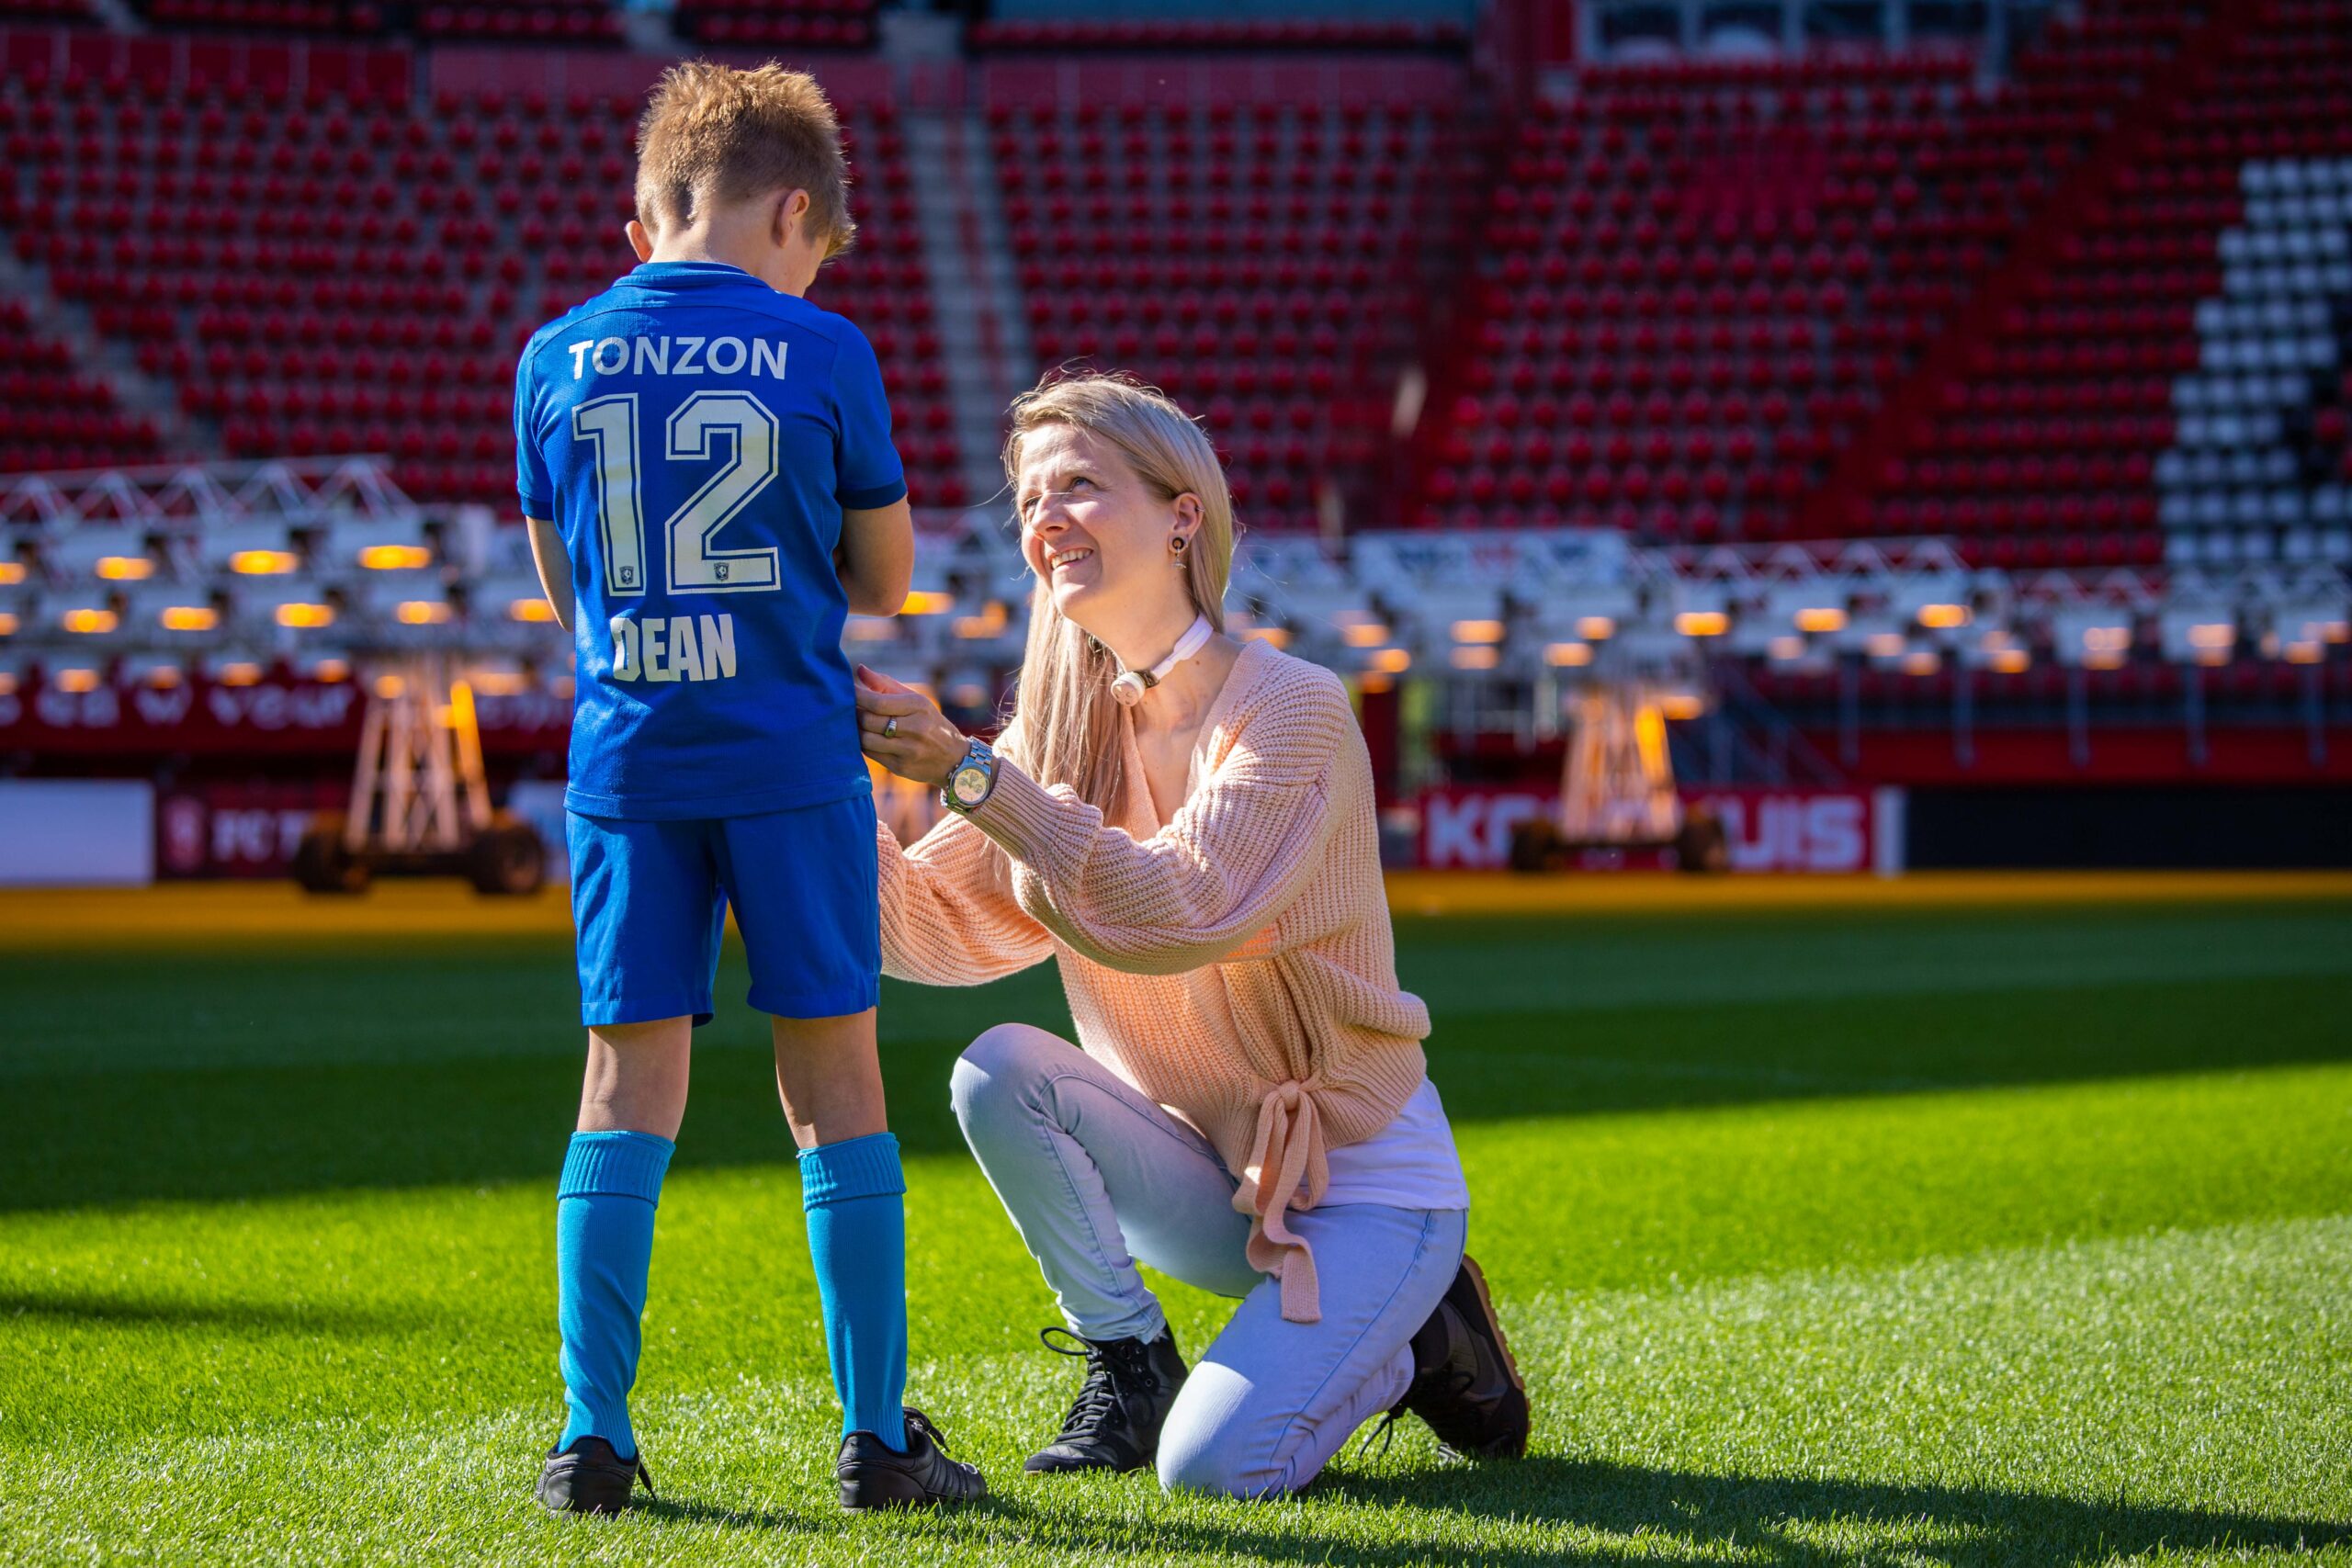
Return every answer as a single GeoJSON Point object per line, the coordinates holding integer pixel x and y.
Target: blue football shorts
{"type": "Point", "coordinates": [649, 902]}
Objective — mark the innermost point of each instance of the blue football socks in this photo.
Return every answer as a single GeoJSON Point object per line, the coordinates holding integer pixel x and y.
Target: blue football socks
{"type": "Point", "coordinates": [604, 1242]}
{"type": "Point", "coordinates": [853, 1192]}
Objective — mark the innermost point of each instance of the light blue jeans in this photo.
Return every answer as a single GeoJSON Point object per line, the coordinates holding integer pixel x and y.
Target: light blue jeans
{"type": "Point", "coordinates": [1095, 1176]}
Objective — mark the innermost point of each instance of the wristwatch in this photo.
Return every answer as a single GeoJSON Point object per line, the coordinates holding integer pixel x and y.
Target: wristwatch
{"type": "Point", "coordinates": [972, 779]}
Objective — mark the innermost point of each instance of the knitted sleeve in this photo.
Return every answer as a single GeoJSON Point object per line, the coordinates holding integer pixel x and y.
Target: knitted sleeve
{"type": "Point", "coordinates": [948, 916]}
{"type": "Point", "coordinates": [1222, 870]}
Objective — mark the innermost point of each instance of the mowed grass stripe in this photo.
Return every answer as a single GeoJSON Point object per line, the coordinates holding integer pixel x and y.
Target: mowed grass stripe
{"type": "Point", "coordinates": [2076, 1346]}
{"type": "Point", "coordinates": [54, 918]}
{"type": "Point", "coordinates": [90, 1137]}
{"type": "Point", "coordinates": [144, 1319]}
{"type": "Point", "coordinates": [1873, 1235]}
{"type": "Point", "coordinates": [2037, 1405]}
{"type": "Point", "coordinates": [1530, 1062]}
{"type": "Point", "coordinates": [422, 998]}
{"type": "Point", "coordinates": [1570, 965]}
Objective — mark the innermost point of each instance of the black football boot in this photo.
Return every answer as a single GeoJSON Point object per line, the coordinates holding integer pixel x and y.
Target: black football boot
{"type": "Point", "coordinates": [875, 1475]}
{"type": "Point", "coordinates": [1465, 1384]}
{"type": "Point", "coordinates": [589, 1478]}
{"type": "Point", "coordinates": [1115, 1423]}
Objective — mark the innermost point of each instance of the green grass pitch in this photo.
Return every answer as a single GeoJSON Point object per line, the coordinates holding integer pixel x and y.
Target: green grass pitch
{"type": "Point", "coordinates": [2000, 1234]}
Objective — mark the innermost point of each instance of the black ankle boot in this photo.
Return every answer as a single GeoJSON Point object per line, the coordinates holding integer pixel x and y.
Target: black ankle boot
{"type": "Point", "coordinates": [589, 1478]}
{"type": "Point", "coordinates": [873, 1474]}
{"type": "Point", "coordinates": [1465, 1384]}
{"type": "Point", "coordinates": [1115, 1423]}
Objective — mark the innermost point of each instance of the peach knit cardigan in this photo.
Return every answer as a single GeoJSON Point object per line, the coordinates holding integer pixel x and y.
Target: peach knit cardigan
{"type": "Point", "coordinates": [1235, 962]}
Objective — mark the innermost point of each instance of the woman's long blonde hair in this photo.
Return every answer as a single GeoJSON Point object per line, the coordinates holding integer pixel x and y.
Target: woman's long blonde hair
{"type": "Point", "coordinates": [1069, 720]}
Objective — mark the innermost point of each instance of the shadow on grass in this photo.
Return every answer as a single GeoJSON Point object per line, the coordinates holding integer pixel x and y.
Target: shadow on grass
{"type": "Point", "coordinates": [1790, 1515]}
{"type": "Point", "coordinates": [1694, 1517]}
{"type": "Point", "coordinates": [81, 1139]}
{"type": "Point", "coordinates": [232, 1317]}
{"type": "Point", "coordinates": [1004, 1522]}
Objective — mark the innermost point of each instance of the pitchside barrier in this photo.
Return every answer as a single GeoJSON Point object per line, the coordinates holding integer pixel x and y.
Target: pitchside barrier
{"type": "Point", "coordinates": [1849, 831]}
{"type": "Point", "coordinates": [240, 828]}
{"type": "Point", "coordinates": [128, 832]}
{"type": "Point", "coordinates": [65, 831]}
{"type": "Point", "coordinates": [83, 832]}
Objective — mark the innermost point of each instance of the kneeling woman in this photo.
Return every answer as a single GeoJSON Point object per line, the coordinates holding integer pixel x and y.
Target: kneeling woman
{"type": "Point", "coordinates": [1184, 823]}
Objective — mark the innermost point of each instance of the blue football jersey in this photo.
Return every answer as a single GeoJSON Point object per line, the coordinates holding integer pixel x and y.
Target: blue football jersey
{"type": "Point", "coordinates": [696, 434]}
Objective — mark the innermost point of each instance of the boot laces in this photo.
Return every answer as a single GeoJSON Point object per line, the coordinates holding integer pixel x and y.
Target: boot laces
{"type": "Point", "coordinates": [916, 1422]}
{"type": "Point", "coordinates": [1455, 1385]}
{"type": "Point", "coordinates": [1098, 1400]}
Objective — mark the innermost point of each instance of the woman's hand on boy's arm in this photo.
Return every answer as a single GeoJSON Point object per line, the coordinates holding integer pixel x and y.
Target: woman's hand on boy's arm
{"type": "Point", "coordinates": [877, 557]}
{"type": "Point", "coordinates": [921, 745]}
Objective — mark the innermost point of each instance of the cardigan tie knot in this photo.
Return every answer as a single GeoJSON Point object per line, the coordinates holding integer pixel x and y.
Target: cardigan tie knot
{"type": "Point", "coordinates": [1289, 1134]}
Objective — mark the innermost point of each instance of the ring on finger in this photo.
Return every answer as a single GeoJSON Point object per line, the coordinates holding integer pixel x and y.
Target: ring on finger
{"type": "Point", "coordinates": [891, 729]}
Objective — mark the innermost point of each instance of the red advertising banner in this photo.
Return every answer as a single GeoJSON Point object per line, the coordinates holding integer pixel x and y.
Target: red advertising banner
{"type": "Point", "coordinates": [272, 718]}
{"type": "Point", "coordinates": [237, 829]}
{"type": "Point", "coordinates": [1834, 831]}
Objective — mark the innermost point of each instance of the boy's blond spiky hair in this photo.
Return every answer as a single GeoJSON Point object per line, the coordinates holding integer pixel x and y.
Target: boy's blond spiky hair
{"type": "Point", "coordinates": [714, 134]}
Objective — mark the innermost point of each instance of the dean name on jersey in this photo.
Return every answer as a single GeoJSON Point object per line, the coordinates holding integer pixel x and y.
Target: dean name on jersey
{"type": "Point", "coordinates": [673, 647]}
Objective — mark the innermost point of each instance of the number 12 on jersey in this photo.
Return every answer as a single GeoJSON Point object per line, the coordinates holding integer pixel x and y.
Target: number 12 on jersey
{"type": "Point", "coordinates": [694, 565]}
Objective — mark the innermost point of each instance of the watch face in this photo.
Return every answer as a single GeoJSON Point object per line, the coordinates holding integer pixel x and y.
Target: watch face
{"type": "Point", "coordinates": [971, 786]}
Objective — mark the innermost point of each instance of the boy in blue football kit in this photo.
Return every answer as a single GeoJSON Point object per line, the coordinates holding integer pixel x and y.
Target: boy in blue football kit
{"type": "Point", "coordinates": [704, 464]}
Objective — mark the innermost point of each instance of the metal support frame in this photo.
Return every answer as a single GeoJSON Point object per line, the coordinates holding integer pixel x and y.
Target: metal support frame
{"type": "Point", "coordinates": [1303, 585]}
{"type": "Point", "coordinates": [417, 787]}
{"type": "Point", "coordinates": [1617, 782]}
{"type": "Point", "coordinates": [169, 497]}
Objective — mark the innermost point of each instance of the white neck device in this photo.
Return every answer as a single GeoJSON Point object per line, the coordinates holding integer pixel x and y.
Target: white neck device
{"type": "Point", "coordinates": [1129, 685]}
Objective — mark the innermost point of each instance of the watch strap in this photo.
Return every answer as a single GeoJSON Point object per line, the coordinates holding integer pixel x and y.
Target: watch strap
{"type": "Point", "coordinates": [976, 753]}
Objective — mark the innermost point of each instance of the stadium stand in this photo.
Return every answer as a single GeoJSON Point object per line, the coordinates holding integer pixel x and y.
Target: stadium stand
{"type": "Point", "coordinates": [437, 234]}
{"type": "Point", "coordinates": [1653, 280]}
{"type": "Point", "coordinates": [1704, 282]}
{"type": "Point", "coordinates": [1953, 422]}
{"type": "Point", "coordinates": [1697, 283]}
{"type": "Point", "coordinates": [1244, 255]}
{"type": "Point", "coordinates": [53, 415]}
{"type": "Point", "coordinates": [352, 18]}
{"type": "Point", "coordinates": [47, 13]}
{"type": "Point", "coordinates": [2239, 484]}
{"type": "Point", "coordinates": [2088, 317]}
{"type": "Point", "coordinates": [539, 23]}
{"type": "Point", "coordinates": [1014, 34]}
{"type": "Point", "coordinates": [2259, 469]}
{"type": "Point", "coordinates": [800, 24]}
{"type": "Point", "coordinates": [2163, 334]}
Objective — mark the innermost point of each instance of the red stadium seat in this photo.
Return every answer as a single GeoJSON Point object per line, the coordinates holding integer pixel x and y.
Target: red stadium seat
{"type": "Point", "coordinates": [309, 340]}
